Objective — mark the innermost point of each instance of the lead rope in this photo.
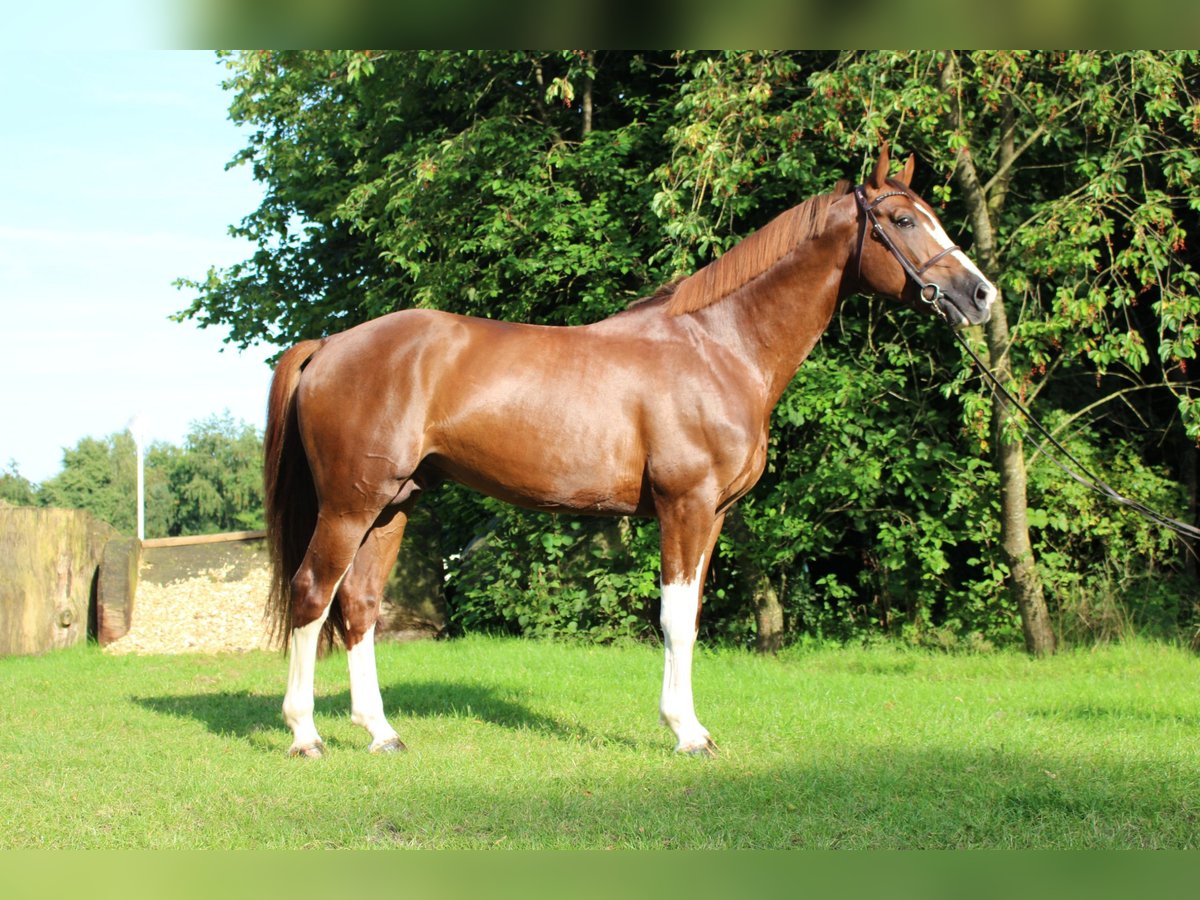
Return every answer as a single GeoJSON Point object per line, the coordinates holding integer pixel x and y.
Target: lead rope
{"type": "Point", "coordinates": [1080, 472]}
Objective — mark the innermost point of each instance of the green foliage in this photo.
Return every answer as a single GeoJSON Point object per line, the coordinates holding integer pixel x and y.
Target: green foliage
{"type": "Point", "coordinates": [213, 483]}
{"type": "Point", "coordinates": [100, 475]}
{"type": "Point", "coordinates": [444, 180]}
{"type": "Point", "coordinates": [592, 578]}
{"type": "Point", "coordinates": [473, 182]}
{"type": "Point", "coordinates": [15, 488]}
{"type": "Point", "coordinates": [215, 478]}
{"type": "Point", "coordinates": [1094, 250]}
{"type": "Point", "coordinates": [1132, 583]}
{"type": "Point", "coordinates": [874, 515]}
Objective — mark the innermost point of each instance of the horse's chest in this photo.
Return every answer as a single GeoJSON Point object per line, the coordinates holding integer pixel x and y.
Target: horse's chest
{"type": "Point", "coordinates": [746, 475]}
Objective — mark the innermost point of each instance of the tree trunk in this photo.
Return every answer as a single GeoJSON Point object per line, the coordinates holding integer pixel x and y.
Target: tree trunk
{"type": "Point", "coordinates": [588, 80]}
{"type": "Point", "coordinates": [768, 613]}
{"type": "Point", "coordinates": [753, 583]}
{"type": "Point", "coordinates": [1024, 580]}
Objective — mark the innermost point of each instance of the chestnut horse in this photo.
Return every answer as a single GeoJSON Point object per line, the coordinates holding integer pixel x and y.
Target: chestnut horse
{"type": "Point", "coordinates": [661, 410]}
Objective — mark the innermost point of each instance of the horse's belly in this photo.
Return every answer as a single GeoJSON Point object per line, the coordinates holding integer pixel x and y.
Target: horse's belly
{"type": "Point", "coordinates": [547, 470]}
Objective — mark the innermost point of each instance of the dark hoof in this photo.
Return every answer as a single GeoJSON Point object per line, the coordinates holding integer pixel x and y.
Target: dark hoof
{"type": "Point", "coordinates": [391, 745]}
{"type": "Point", "coordinates": [316, 751]}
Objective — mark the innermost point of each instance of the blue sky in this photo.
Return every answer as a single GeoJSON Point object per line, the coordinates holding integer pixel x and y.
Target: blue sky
{"type": "Point", "coordinates": [112, 185]}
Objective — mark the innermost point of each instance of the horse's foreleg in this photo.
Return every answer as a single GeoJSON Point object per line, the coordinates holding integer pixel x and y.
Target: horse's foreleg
{"type": "Point", "coordinates": [361, 596]}
{"type": "Point", "coordinates": [680, 608]}
{"type": "Point", "coordinates": [687, 545]}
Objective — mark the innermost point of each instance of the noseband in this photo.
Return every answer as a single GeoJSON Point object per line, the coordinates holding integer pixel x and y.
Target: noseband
{"type": "Point", "coordinates": [930, 291]}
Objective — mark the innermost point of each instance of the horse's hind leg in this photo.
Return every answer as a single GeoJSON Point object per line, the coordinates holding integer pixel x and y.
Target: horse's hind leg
{"type": "Point", "coordinates": [360, 597]}
{"type": "Point", "coordinates": [329, 557]}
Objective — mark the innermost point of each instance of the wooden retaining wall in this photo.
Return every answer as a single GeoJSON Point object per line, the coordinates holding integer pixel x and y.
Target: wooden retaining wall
{"type": "Point", "coordinates": [116, 588]}
{"type": "Point", "coordinates": [49, 564]}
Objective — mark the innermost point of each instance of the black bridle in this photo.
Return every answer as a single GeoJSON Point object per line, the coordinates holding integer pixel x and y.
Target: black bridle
{"type": "Point", "coordinates": [930, 291]}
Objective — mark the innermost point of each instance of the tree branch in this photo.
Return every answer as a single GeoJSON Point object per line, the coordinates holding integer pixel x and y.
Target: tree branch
{"type": "Point", "coordinates": [539, 98]}
{"type": "Point", "coordinates": [1006, 162]}
{"type": "Point", "coordinates": [1071, 419]}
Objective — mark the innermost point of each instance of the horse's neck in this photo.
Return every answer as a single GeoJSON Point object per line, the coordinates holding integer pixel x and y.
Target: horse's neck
{"type": "Point", "coordinates": [774, 322]}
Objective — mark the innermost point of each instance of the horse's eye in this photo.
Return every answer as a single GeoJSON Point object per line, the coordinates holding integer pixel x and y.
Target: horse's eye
{"type": "Point", "coordinates": [905, 222]}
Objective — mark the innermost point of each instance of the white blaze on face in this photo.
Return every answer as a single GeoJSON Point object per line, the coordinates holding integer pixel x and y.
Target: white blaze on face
{"type": "Point", "coordinates": [943, 241]}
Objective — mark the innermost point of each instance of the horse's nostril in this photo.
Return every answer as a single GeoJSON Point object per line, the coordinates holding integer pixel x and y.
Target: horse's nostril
{"type": "Point", "coordinates": [983, 293]}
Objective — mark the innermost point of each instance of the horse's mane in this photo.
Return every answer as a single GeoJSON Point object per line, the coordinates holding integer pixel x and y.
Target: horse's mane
{"type": "Point", "coordinates": [750, 257]}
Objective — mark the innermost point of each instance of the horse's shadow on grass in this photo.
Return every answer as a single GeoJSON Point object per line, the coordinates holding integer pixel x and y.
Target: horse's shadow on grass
{"type": "Point", "coordinates": [244, 713]}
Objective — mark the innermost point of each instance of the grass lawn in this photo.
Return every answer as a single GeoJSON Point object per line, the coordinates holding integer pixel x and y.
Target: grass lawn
{"type": "Point", "coordinates": [543, 745]}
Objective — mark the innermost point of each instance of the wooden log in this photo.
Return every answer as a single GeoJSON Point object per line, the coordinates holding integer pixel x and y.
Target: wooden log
{"type": "Point", "coordinates": [116, 587]}
{"type": "Point", "coordinates": [193, 539]}
{"type": "Point", "coordinates": [48, 564]}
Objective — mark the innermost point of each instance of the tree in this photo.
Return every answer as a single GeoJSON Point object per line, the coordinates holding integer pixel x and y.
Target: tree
{"type": "Point", "coordinates": [100, 475]}
{"type": "Point", "coordinates": [215, 479]}
{"type": "Point", "coordinates": [1099, 147]}
{"type": "Point", "coordinates": [555, 187]}
{"type": "Point", "coordinates": [435, 179]}
{"type": "Point", "coordinates": [210, 484]}
{"type": "Point", "coordinates": [15, 488]}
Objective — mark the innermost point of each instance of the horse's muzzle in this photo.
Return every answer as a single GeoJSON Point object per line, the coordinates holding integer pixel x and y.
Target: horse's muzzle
{"type": "Point", "coordinates": [969, 304]}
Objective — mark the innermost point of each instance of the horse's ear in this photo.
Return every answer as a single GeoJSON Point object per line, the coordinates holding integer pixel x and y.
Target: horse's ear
{"type": "Point", "coordinates": [879, 176]}
{"type": "Point", "coordinates": [905, 177]}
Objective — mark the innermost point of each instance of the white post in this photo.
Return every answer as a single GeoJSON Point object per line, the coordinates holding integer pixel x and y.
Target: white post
{"type": "Point", "coordinates": [141, 492]}
{"type": "Point", "coordinates": [136, 428]}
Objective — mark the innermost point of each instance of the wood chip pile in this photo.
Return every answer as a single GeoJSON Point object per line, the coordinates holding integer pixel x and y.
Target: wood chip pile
{"type": "Point", "coordinates": [185, 606]}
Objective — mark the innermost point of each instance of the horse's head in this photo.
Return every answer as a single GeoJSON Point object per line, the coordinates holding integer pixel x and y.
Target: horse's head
{"type": "Point", "coordinates": [903, 251]}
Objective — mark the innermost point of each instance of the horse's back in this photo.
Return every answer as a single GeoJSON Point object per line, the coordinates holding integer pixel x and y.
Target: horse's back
{"type": "Point", "coordinates": [527, 413]}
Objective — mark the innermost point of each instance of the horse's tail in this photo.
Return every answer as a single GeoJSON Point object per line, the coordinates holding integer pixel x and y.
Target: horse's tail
{"type": "Point", "coordinates": [288, 492]}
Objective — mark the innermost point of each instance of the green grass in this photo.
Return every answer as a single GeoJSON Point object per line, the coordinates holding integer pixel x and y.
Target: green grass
{"type": "Point", "coordinates": [531, 744]}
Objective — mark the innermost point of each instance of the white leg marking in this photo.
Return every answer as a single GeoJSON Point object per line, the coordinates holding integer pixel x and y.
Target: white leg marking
{"type": "Point", "coordinates": [680, 605]}
{"type": "Point", "coordinates": [302, 663]}
{"type": "Point", "coordinates": [298, 701]}
{"type": "Point", "coordinates": [366, 703]}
